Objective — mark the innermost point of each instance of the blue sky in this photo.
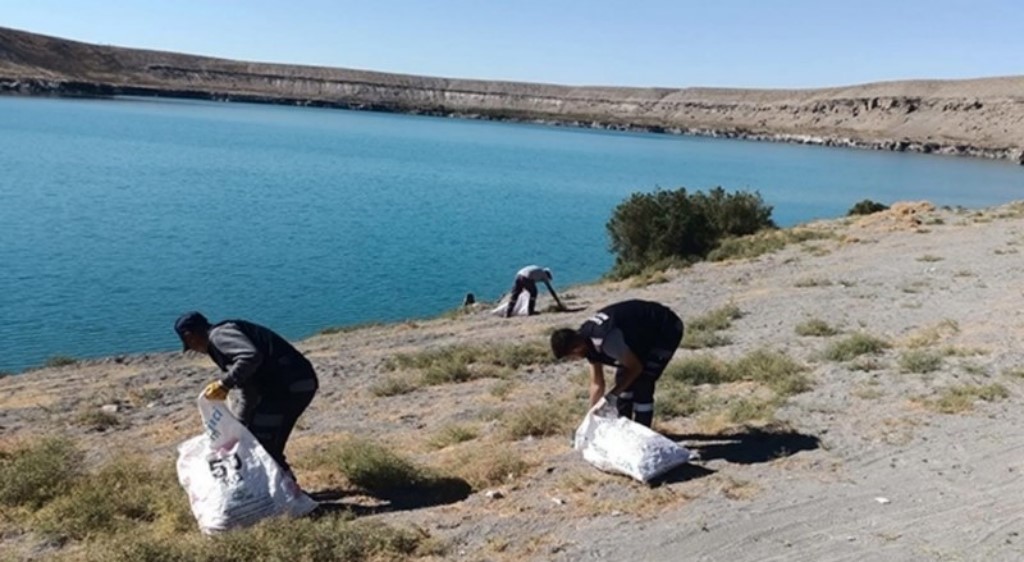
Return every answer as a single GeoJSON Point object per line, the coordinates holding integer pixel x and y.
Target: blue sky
{"type": "Point", "coordinates": [736, 43]}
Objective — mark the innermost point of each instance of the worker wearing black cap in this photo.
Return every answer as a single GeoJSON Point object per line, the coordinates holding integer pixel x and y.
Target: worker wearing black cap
{"type": "Point", "coordinates": [275, 380]}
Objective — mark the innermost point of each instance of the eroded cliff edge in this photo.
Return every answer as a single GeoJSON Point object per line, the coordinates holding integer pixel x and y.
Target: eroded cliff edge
{"type": "Point", "coordinates": [979, 117]}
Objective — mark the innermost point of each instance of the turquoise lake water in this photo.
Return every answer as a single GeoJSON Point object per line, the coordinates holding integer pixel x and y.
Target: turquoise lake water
{"type": "Point", "coordinates": [117, 215]}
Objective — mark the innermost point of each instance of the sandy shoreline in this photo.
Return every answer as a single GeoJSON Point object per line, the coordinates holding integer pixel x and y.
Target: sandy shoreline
{"type": "Point", "coordinates": [869, 464]}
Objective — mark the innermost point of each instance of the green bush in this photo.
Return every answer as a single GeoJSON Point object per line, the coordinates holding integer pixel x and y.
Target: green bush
{"type": "Point", "coordinates": [866, 207]}
{"type": "Point", "coordinates": [648, 228]}
{"type": "Point", "coordinates": [35, 474]}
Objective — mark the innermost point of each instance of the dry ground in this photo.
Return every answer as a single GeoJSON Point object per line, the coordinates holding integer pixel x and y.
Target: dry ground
{"type": "Point", "coordinates": [910, 453]}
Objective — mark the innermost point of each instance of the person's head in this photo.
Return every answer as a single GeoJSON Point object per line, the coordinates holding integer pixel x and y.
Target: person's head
{"type": "Point", "coordinates": [566, 342]}
{"type": "Point", "coordinates": [548, 272]}
{"type": "Point", "coordinates": [193, 328]}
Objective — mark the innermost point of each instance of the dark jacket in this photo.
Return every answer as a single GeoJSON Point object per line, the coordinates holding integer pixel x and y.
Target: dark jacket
{"type": "Point", "coordinates": [642, 324]}
{"type": "Point", "coordinates": [257, 359]}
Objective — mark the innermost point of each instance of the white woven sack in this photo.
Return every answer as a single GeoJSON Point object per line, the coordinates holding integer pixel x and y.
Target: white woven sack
{"type": "Point", "coordinates": [231, 481]}
{"type": "Point", "coordinates": [522, 307]}
{"type": "Point", "coordinates": [619, 445]}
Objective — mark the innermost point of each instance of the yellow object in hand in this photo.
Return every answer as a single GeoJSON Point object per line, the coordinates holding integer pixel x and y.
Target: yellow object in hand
{"type": "Point", "coordinates": [215, 391]}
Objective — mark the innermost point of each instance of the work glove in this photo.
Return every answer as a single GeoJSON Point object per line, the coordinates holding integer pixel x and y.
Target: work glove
{"type": "Point", "coordinates": [215, 391]}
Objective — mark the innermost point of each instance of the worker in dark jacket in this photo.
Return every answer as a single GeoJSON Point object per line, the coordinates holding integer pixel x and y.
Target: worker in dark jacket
{"type": "Point", "coordinates": [275, 381]}
{"type": "Point", "coordinates": [637, 337]}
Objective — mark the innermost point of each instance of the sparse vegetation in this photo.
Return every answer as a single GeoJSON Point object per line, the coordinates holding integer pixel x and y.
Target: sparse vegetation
{"type": "Point", "coordinates": [483, 468]}
{"type": "Point", "coordinates": [815, 328]}
{"type": "Point", "coordinates": [1014, 372]}
{"type": "Point", "coordinates": [809, 282]}
{"type": "Point", "coordinates": [676, 400]}
{"type": "Point", "coordinates": [348, 328]}
{"type": "Point", "coordinates": [717, 319]}
{"type": "Point", "coordinates": [450, 371]}
{"type": "Point", "coordinates": [930, 258]}
{"type": "Point", "coordinates": [118, 497]}
{"type": "Point", "coordinates": [60, 361]}
{"type": "Point", "coordinates": [393, 386]}
{"type": "Point", "coordinates": [764, 242]}
{"type": "Point", "coordinates": [34, 474]}
{"type": "Point", "coordinates": [773, 369]}
{"type": "Point", "coordinates": [866, 207]}
{"type": "Point", "coordinates": [512, 356]}
{"type": "Point", "coordinates": [920, 361]}
{"type": "Point", "coordinates": [698, 369]}
{"type": "Point", "coordinates": [746, 410]}
{"type": "Point", "coordinates": [854, 346]}
{"type": "Point", "coordinates": [371, 466]}
{"type": "Point", "coordinates": [934, 334]}
{"type": "Point", "coordinates": [322, 539]}
{"type": "Point", "coordinates": [701, 331]}
{"type": "Point", "coordinates": [700, 339]}
{"type": "Point", "coordinates": [97, 419]}
{"type": "Point", "coordinates": [127, 511]}
{"type": "Point", "coordinates": [502, 389]}
{"type": "Point", "coordinates": [541, 420]}
{"type": "Point", "coordinates": [959, 399]}
{"type": "Point", "coordinates": [451, 435]}
{"type": "Point", "coordinates": [649, 276]}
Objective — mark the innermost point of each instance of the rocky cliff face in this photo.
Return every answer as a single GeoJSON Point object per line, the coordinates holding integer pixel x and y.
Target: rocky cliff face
{"type": "Point", "coordinates": [983, 117]}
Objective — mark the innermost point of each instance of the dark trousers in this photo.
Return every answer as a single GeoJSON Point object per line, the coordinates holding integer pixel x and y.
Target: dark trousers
{"type": "Point", "coordinates": [522, 284]}
{"type": "Point", "coordinates": [271, 415]}
{"type": "Point", "coordinates": [637, 401]}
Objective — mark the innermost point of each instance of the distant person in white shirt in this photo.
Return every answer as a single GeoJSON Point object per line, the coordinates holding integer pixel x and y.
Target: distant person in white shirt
{"type": "Point", "coordinates": [526, 279]}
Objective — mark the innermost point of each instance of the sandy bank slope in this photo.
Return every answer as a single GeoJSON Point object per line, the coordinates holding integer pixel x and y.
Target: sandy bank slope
{"type": "Point", "coordinates": [982, 117]}
{"type": "Point", "coordinates": [886, 457]}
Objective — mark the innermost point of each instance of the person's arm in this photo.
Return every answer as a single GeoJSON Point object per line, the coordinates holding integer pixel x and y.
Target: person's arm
{"type": "Point", "coordinates": [631, 367]}
{"type": "Point", "coordinates": [596, 383]}
{"type": "Point", "coordinates": [614, 345]}
{"type": "Point", "coordinates": [245, 359]}
{"type": "Point", "coordinates": [553, 294]}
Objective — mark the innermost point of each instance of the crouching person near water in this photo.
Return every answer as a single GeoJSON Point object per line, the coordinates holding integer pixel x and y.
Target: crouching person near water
{"type": "Point", "coordinates": [637, 337]}
{"type": "Point", "coordinates": [275, 381]}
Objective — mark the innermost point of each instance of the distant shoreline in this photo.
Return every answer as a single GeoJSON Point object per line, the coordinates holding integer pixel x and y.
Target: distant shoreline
{"type": "Point", "coordinates": [982, 117]}
{"type": "Point", "coordinates": [101, 91]}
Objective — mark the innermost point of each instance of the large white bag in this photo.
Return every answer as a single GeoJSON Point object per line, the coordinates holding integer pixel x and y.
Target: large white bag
{"type": "Point", "coordinates": [230, 478]}
{"type": "Point", "coordinates": [522, 307]}
{"type": "Point", "coordinates": [620, 445]}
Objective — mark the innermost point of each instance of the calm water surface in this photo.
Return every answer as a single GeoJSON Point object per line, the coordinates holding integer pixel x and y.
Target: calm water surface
{"type": "Point", "coordinates": [115, 216]}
